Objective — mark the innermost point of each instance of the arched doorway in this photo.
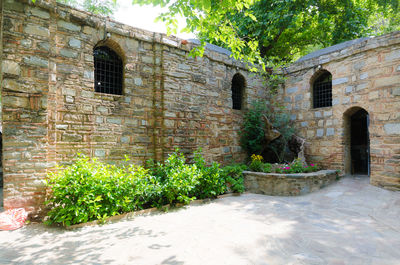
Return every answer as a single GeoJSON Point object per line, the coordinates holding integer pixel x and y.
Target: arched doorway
{"type": "Point", "coordinates": [357, 153]}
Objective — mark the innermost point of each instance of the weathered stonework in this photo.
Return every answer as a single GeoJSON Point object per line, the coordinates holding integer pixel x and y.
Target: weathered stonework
{"type": "Point", "coordinates": [365, 75]}
{"type": "Point", "coordinates": [51, 112]}
{"type": "Point", "coordinates": [288, 184]}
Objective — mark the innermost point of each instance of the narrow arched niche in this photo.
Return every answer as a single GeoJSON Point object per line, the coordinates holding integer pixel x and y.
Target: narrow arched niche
{"type": "Point", "coordinates": [238, 87]}
{"type": "Point", "coordinates": [321, 89]}
{"type": "Point", "coordinates": [356, 141]}
{"type": "Point", "coordinates": [108, 67]}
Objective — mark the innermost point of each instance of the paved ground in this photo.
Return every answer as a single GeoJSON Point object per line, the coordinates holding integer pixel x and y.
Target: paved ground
{"type": "Point", "coordinates": [349, 222]}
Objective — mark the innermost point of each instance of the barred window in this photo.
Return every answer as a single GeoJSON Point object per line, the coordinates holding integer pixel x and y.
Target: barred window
{"type": "Point", "coordinates": [322, 91]}
{"type": "Point", "coordinates": [108, 71]}
{"type": "Point", "coordinates": [238, 83]}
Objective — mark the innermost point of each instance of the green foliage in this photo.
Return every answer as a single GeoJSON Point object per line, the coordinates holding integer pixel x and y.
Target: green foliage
{"type": "Point", "coordinates": [176, 178]}
{"type": "Point", "coordinates": [252, 134]}
{"type": "Point", "coordinates": [233, 176]}
{"type": "Point", "coordinates": [280, 120]}
{"type": "Point", "coordinates": [88, 189]}
{"type": "Point", "coordinates": [296, 167]}
{"type": "Point", "coordinates": [102, 7]}
{"type": "Point", "coordinates": [211, 183]}
{"type": "Point", "coordinates": [256, 163]}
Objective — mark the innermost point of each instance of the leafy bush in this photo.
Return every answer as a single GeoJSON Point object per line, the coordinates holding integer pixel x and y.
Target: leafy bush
{"type": "Point", "coordinates": [210, 183]}
{"type": "Point", "coordinates": [88, 189]}
{"type": "Point", "coordinates": [233, 176]}
{"type": "Point", "coordinates": [176, 178]}
{"type": "Point", "coordinates": [252, 134]}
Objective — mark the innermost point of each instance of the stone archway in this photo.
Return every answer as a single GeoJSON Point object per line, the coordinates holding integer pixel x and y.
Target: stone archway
{"type": "Point", "coordinates": [356, 141]}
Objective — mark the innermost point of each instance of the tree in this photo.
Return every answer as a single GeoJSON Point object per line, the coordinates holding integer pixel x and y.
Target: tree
{"type": "Point", "coordinates": [103, 7]}
{"type": "Point", "coordinates": [265, 32]}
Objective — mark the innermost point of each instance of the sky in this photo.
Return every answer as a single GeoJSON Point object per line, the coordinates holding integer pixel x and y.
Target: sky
{"type": "Point", "coordinates": [143, 17]}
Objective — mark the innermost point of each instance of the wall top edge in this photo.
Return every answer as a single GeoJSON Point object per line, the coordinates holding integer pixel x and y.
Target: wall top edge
{"type": "Point", "coordinates": [342, 50]}
{"type": "Point", "coordinates": [100, 22]}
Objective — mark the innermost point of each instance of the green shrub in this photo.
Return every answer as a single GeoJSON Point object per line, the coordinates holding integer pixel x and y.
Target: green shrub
{"type": "Point", "coordinates": [89, 190]}
{"type": "Point", "coordinates": [233, 176]}
{"type": "Point", "coordinates": [211, 183]}
{"type": "Point", "coordinates": [252, 134]}
{"type": "Point", "coordinates": [177, 179]}
{"type": "Point", "coordinates": [267, 168]}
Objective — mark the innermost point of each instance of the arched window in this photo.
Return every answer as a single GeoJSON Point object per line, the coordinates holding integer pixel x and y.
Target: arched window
{"type": "Point", "coordinates": [238, 83]}
{"type": "Point", "coordinates": [322, 90]}
{"type": "Point", "coordinates": [108, 71]}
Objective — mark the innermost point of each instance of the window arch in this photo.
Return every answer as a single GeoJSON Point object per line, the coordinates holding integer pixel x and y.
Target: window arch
{"type": "Point", "coordinates": [238, 84]}
{"type": "Point", "coordinates": [108, 71]}
{"type": "Point", "coordinates": [322, 90]}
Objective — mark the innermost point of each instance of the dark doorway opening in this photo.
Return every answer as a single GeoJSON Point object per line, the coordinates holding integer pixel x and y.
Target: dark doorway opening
{"type": "Point", "coordinates": [359, 143]}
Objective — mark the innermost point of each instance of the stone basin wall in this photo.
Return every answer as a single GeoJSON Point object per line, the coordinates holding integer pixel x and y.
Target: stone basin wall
{"type": "Point", "coordinates": [288, 184]}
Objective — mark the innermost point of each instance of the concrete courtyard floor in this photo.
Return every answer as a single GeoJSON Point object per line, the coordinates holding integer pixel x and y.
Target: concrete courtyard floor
{"type": "Point", "coordinates": [349, 222]}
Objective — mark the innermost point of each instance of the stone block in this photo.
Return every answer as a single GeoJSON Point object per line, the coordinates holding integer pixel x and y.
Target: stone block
{"type": "Point", "coordinates": [393, 55]}
{"type": "Point", "coordinates": [100, 153]}
{"type": "Point", "coordinates": [361, 86]}
{"type": "Point", "coordinates": [36, 61]}
{"type": "Point", "coordinates": [392, 128]}
{"type": "Point", "coordinates": [363, 76]}
{"type": "Point", "coordinates": [66, 137]}
{"type": "Point", "coordinates": [102, 109]}
{"type": "Point", "coordinates": [396, 91]}
{"type": "Point", "coordinates": [68, 53]}
{"type": "Point", "coordinates": [125, 139]}
{"type": "Point", "coordinates": [16, 102]}
{"type": "Point", "coordinates": [318, 114]}
{"type": "Point", "coordinates": [320, 132]}
{"type": "Point", "coordinates": [340, 81]}
{"type": "Point", "coordinates": [37, 12]}
{"type": "Point", "coordinates": [298, 97]}
{"type": "Point", "coordinates": [10, 67]}
{"type": "Point", "coordinates": [138, 81]}
{"type": "Point", "coordinates": [44, 46]}
{"type": "Point", "coordinates": [88, 74]}
{"type": "Point", "coordinates": [68, 25]}
{"type": "Point", "coordinates": [61, 126]}
{"type": "Point", "coordinates": [293, 117]}
{"type": "Point", "coordinates": [87, 94]}
{"type": "Point", "coordinates": [328, 113]}
{"type": "Point", "coordinates": [373, 95]}
{"type": "Point", "coordinates": [74, 43]}
{"type": "Point", "coordinates": [26, 43]}
{"type": "Point", "coordinates": [147, 59]}
{"type": "Point", "coordinates": [292, 90]}
{"type": "Point", "coordinates": [304, 124]}
{"type": "Point", "coordinates": [387, 81]}
{"type": "Point", "coordinates": [69, 91]}
{"type": "Point", "coordinates": [330, 131]}
{"type": "Point", "coordinates": [37, 30]}
{"type": "Point", "coordinates": [114, 120]}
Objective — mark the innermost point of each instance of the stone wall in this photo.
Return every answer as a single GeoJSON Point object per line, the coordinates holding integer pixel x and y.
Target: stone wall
{"type": "Point", "coordinates": [365, 75]}
{"type": "Point", "coordinates": [288, 184]}
{"type": "Point", "coordinates": [51, 111]}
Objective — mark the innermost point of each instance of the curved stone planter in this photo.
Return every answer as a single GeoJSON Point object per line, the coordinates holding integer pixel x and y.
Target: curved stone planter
{"type": "Point", "coordinates": [288, 184]}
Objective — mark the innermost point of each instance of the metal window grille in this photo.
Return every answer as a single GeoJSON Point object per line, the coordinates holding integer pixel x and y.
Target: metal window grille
{"type": "Point", "coordinates": [237, 91]}
{"type": "Point", "coordinates": [322, 91]}
{"type": "Point", "coordinates": [107, 71]}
